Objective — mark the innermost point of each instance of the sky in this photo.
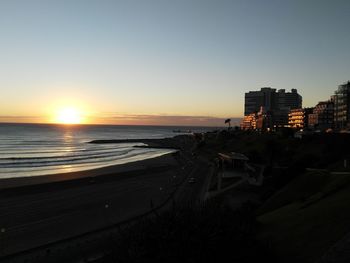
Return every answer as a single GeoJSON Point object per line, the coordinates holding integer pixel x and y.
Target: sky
{"type": "Point", "coordinates": [165, 61]}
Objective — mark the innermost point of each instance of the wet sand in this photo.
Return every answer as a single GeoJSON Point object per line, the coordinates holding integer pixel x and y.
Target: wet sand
{"type": "Point", "coordinates": [83, 176]}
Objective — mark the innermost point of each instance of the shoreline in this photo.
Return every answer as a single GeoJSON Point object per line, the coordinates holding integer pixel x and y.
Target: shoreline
{"type": "Point", "coordinates": [178, 143]}
{"type": "Point", "coordinates": [91, 174]}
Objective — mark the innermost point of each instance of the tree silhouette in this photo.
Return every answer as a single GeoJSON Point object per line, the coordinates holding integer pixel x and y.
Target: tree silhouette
{"type": "Point", "coordinates": [229, 123]}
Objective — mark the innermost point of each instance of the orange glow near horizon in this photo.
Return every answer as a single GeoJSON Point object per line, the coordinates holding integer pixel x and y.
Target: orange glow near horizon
{"type": "Point", "coordinates": [68, 115]}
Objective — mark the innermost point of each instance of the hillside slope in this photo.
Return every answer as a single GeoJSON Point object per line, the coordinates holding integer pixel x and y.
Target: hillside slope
{"type": "Point", "coordinates": [308, 216]}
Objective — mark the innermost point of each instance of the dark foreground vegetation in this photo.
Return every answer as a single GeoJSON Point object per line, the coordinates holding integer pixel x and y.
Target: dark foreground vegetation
{"type": "Point", "coordinates": [300, 211]}
{"type": "Point", "coordinates": [284, 156]}
{"type": "Point", "coordinates": [206, 233]}
{"type": "Point", "coordinates": [304, 200]}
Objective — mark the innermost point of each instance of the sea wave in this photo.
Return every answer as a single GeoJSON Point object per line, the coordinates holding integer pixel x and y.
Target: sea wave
{"type": "Point", "coordinates": [33, 149]}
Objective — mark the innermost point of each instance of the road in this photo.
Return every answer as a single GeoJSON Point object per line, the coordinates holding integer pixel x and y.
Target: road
{"type": "Point", "coordinates": [31, 220]}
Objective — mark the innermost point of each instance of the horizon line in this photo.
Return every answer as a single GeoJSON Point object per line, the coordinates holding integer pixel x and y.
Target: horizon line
{"type": "Point", "coordinates": [109, 124]}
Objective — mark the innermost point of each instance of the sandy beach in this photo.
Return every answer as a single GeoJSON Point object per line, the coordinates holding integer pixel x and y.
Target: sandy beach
{"type": "Point", "coordinates": [33, 209]}
{"type": "Point", "coordinates": [84, 176]}
{"type": "Point", "coordinates": [43, 209]}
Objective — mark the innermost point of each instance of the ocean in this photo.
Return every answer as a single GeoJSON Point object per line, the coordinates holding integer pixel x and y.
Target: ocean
{"type": "Point", "coordinates": [41, 149]}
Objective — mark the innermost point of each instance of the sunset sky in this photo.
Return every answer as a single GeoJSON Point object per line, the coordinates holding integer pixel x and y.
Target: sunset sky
{"type": "Point", "coordinates": [165, 61]}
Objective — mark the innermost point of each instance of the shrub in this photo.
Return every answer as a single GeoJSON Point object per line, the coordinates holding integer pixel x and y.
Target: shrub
{"type": "Point", "coordinates": [207, 233]}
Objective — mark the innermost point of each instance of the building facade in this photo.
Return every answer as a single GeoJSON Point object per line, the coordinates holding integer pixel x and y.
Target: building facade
{"type": "Point", "coordinates": [249, 122]}
{"type": "Point", "coordinates": [261, 120]}
{"type": "Point", "coordinates": [299, 118]}
{"type": "Point", "coordinates": [266, 98]}
{"type": "Point", "coordinates": [322, 117]}
{"type": "Point", "coordinates": [342, 106]}
{"type": "Point", "coordinates": [289, 100]}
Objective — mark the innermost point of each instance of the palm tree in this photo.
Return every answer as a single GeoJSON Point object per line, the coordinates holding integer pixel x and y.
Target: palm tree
{"type": "Point", "coordinates": [229, 123]}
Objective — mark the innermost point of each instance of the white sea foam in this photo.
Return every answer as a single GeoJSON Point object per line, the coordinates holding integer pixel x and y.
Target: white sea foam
{"type": "Point", "coordinates": [33, 149]}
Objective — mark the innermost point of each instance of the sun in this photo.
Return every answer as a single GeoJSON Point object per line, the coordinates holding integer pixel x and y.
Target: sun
{"type": "Point", "coordinates": [69, 115]}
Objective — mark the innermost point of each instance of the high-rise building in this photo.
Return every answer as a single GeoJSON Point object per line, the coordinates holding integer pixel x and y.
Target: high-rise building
{"type": "Point", "coordinates": [256, 99]}
{"type": "Point", "coordinates": [290, 100]}
{"type": "Point", "coordinates": [277, 104]}
{"type": "Point", "coordinates": [342, 106]}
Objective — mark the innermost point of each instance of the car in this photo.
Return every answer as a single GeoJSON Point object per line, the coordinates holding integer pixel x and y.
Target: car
{"type": "Point", "coordinates": [192, 180]}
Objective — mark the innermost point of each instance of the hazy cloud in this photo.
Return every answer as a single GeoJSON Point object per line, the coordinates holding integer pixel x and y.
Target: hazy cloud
{"type": "Point", "coordinates": [142, 119]}
{"type": "Point", "coordinates": [19, 119]}
{"type": "Point", "coordinates": [136, 119]}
